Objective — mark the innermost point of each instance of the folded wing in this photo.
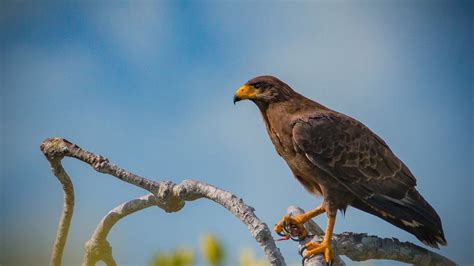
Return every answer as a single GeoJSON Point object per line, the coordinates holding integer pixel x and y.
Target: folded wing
{"type": "Point", "coordinates": [363, 163]}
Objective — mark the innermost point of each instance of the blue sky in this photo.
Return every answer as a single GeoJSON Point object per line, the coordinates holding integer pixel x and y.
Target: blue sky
{"type": "Point", "coordinates": [149, 85]}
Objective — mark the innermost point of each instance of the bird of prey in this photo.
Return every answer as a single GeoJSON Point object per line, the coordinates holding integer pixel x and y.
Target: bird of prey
{"type": "Point", "coordinates": [337, 157]}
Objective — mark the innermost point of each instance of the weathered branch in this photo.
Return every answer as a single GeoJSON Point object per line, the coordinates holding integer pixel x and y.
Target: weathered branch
{"type": "Point", "coordinates": [97, 248]}
{"type": "Point", "coordinates": [166, 195]}
{"type": "Point", "coordinates": [361, 247]}
{"type": "Point", "coordinates": [68, 208]}
{"type": "Point", "coordinates": [171, 197]}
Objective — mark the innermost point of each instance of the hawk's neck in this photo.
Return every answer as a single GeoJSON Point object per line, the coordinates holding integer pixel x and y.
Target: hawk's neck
{"type": "Point", "coordinates": [279, 118]}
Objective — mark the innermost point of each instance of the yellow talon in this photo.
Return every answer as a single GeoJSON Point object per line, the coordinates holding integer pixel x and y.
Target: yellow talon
{"type": "Point", "coordinates": [291, 226]}
{"type": "Point", "coordinates": [292, 220]}
{"type": "Point", "coordinates": [325, 247]}
{"type": "Point", "coordinates": [278, 227]}
{"type": "Point", "coordinates": [313, 248]}
{"type": "Point", "coordinates": [329, 254]}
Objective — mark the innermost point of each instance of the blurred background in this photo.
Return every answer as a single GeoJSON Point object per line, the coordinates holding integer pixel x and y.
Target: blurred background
{"type": "Point", "coordinates": [150, 85]}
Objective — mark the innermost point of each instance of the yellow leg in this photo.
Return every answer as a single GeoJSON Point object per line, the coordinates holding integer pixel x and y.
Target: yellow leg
{"type": "Point", "coordinates": [299, 220]}
{"type": "Point", "coordinates": [325, 247]}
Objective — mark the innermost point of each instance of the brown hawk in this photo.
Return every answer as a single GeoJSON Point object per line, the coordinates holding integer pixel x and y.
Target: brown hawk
{"type": "Point", "coordinates": [339, 158]}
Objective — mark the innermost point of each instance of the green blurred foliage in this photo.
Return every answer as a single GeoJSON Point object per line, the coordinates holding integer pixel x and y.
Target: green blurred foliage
{"type": "Point", "coordinates": [247, 258]}
{"type": "Point", "coordinates": [178, 257]}
{"type": "Point", "coordinates": [213, 254]}
{"type": "Point", "coordinates": [212, 250]}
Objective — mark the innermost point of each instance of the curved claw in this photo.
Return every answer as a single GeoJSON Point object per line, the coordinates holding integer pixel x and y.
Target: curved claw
{"type": "Point", "coordinates": [302, 250]}
{"type": "Point", "coordinates": [313, 248]}
{"type": "Point", "coordinates": [306, 258]}
{"type": "Point", "coordinates": [297, 238]}
{"type": "Point", "coordinates": [291, 228]}
{"type": "Point", "coordinates": [296, 231]}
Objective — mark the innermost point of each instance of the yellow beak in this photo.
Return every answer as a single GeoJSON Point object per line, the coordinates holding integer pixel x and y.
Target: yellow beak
{"type": "Point", "coordinates": [245, 92]}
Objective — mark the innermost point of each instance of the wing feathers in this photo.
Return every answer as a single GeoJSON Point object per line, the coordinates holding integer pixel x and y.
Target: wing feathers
{"type": "Point", "coordinates": [342, 144]}
{"type": "Point", "coordinates": [362, 162]}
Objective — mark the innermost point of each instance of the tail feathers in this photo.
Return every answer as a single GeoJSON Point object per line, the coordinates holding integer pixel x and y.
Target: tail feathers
{"type": "Point", "coordinates": [411, 213]}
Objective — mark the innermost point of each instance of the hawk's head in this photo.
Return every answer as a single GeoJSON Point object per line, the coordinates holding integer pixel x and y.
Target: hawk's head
{"type": "Point", "coordinates": [264, 90]}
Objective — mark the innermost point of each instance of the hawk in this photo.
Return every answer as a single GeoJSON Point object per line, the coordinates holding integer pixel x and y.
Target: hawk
{"type": "Point", "coordinates": [337, 157]}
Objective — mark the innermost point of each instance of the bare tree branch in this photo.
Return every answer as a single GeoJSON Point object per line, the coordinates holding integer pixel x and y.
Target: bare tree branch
{"type": "Point", "coordinates": [68, 208]}
{"type": "Point", "coordinates": [166, 195]}
{"type": "Point", "coordinates": [361, 247]}
{"type": "Point", "coordinates": [98, 248]}
{"type": "Point", "coordinates": [171, 197]}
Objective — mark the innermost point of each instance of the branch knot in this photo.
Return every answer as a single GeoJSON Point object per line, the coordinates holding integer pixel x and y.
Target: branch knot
{"type": "Point", "coordinates": [54, 148]}
{"type": "Point", "coordinates": [99, 250]}
{"type": "Point", "coordinates": [169, 200]}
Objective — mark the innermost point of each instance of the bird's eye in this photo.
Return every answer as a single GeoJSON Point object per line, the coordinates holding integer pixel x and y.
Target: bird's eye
{"type": "Point", "coordinates": [257, 85]}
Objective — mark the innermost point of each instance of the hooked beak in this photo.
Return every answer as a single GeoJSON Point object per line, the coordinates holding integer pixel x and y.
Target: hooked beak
{"type": "Point", "coordinates": [236, 99]}
{"type": "Point", "coordinates": [245, 92]}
